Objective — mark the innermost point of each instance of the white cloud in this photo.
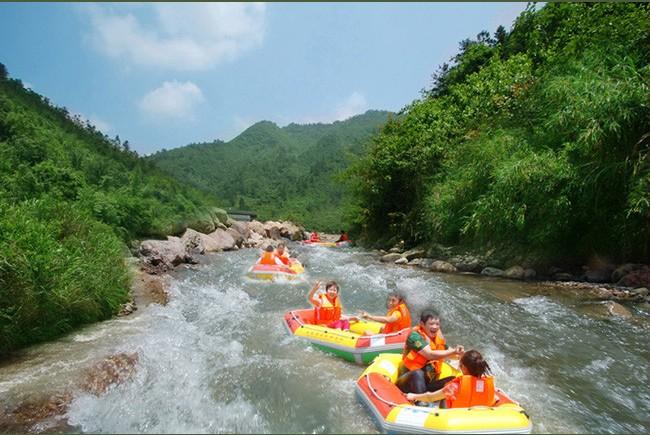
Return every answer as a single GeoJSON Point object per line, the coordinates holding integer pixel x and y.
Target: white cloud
{"type": "Point", "coordinates": [355, 104]}
{"type": "Point", "coordinates": [99, 124]}
{"type": "Point", "coordinates": [102, 126]}
{"type": "Point", "coordinates": [186, 37]}
{"type": "Point", "coordinates": [172, 100]}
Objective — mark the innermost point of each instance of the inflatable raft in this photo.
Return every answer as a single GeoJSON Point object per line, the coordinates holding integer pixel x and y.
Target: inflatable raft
{"type": "Point", "coordinates": [327, 244]}
{"type": "Point", "coordinates": [276, 272]}
{"type": "Point", "coordinates": [350, 345]}
{"type": "Point", "coordinates": [394, 414]}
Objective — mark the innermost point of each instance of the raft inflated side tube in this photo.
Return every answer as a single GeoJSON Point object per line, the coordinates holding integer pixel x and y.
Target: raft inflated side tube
{"type": "Point", "coordinates": [350, 345]}
{"type": "Point", "coordinates": [270, 272]}
{"type": "Point", "coordinates": [394, 414]}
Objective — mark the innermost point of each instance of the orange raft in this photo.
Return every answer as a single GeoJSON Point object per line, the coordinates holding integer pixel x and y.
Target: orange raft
{"type": "Point", "coordinates": [273, 272]}
{"type": "Point", "coordinates": [350, 345]}
{"type": "Point", "coordinates": [394, 414]}
{"type": "Point", "coordinates": [328, 244]}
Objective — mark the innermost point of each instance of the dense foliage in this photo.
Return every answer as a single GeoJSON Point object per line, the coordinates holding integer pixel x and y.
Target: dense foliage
{"type": "Point", "coordinates": [533, 141]}
{"type": "Point", "coordinates": [70, 198]}
{"type": "Point", "coordinates": [279, 173]}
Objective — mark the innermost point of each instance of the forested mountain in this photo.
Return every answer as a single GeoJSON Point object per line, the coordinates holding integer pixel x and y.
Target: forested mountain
{"type": "Point", "coordinates": [281, 173]}
{"type": "Point", "coordinates": [533, 142]}
{"type": "Point", "coordinates": [70, 200]}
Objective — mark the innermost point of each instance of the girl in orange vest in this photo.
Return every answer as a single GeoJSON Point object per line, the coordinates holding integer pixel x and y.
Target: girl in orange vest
{"type": "Point", "coordinates": [269, 258]}
{"type": "Point", "coordinates": [314, 237]}
{"type": "Point", "coordinates": [397, 318]}
{"type": "Point", "coordinates": [473, 388]}
{"type": "Point", "coordinates": [327, 307]}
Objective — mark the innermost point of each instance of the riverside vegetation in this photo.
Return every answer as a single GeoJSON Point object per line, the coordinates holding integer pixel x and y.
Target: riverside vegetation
{"type": "Point", "coordinates": [533, 143]}
{"type": "Point", "coordinates": [71, 200]}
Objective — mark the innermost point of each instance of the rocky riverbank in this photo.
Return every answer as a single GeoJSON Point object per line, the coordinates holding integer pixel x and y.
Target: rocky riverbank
{"type": "Point", "coordinates": [599, 279]}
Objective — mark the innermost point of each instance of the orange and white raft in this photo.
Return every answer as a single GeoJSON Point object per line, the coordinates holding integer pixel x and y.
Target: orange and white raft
{"type": "Point", "coordinates": [350, 345]}
{"type": "Point", "coordinates": [273, 272]}
{"type": "Point", "coordinates": [394, 414]}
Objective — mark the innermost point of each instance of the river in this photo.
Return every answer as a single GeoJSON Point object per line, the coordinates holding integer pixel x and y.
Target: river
{"type": "Point", "coordinates": [218, 358]}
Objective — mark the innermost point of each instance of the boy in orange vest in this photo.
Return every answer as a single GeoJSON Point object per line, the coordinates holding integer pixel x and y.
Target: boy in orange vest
{"type": "Point", "coordinates": [424, 351]}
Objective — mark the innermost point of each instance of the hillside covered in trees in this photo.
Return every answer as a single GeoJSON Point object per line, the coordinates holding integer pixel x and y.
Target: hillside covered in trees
{"type": "Point", "coordinates": [532, 142]}
{"type": "Point", "coordinates": [71, 199]}
{"type": "Point", "coordinates": [291, 172]}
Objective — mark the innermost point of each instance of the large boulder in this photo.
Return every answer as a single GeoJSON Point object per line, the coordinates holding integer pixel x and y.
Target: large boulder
{"type": "Point", "coordinates": [272, 230]}
{"type": "Point", "coordinates": [468, 263]}
{"type": "Point", "coordinates": [290, 231]}
{"type": "Point", "coordinates": [401, 260]}
{"type": "Point", "coordinates": [636, 278]}
{"type": "Point", "coordinates": [412, 254]}
{"type": "Point", "coordinates": [443, 266]}
{"type": "Point", "coordinates": [202, 222]}
{"type": "Point", "coordinates": [241, 228]}
{"type": "Point", "coordinates": [237, 236]}
{"type": "Point", "coordinates": [514, 272]}
{"type": "Point", "coordinates": [492, 271]}
{"type": "Point", "coordinates": [255, 240]}
{"type": "Point", "coordinates": [199, 243]}
{"type": "Point", "coordinates": [224, 240]}
{"type": "Point", "coordinates": [391, 258]}
{"type": "Point", "coordinates": [424, 263]}
{"type": "Point", "coordinates": [257, 227]}
{"type": "Point", "coordinates": [163, 255]}
{"type": "Point", "coordinates": [218, 215]}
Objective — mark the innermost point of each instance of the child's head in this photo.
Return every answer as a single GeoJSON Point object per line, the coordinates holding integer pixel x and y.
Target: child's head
{"type": "Point", "coordinates": [281, 247]}
{"type": "Point", "coordinates": [332, 289]}
{"type": "Point", "coordinates": [394, 299]}
{"type": "Point", "coordinates": [472, 363]}
{"type": "Point", "coordinates": [269, 248]}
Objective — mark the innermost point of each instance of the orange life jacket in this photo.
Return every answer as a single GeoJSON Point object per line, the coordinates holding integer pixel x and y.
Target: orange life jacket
{"type": "Point", "coordinates": [403, 322]}
{"type": "Point", "coordinates": [414, 360]}
{"type": "Point", "coordinates": [268, 258]}
{"type": "Point", "coordinates": [327, 312]}
{"type": "Point", "coordinates": [473, 391]}
{"type": "Point", "coordinates": [344, 238]}
{"type": "Point", "coordinates": [315, 237]}
{"type": "Point", "coordinates": [283, 258]}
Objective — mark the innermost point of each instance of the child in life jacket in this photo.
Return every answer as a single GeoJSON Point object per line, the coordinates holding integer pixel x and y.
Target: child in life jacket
{"type": "Point", "coordinates": [473, 388]}
{"type": "Point", "coordinates": [269, 258]}
{"type": "Point", "coordinates": [314, 237]}
{"type": "Point", "coordinates": [397, 318]}
{"type": "Point", "coordinates": [282, 254]}
{"type": "Point", "coordinates": [327, 307]}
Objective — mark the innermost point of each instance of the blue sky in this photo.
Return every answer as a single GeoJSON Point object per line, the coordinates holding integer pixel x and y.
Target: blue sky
{"type": "Point", "coordinates": [165, 75]}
